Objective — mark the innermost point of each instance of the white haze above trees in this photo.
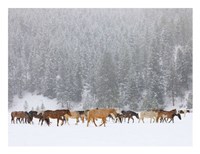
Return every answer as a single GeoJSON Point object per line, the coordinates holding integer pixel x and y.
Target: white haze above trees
{"type": "Point", "coordinates": [141, 58]}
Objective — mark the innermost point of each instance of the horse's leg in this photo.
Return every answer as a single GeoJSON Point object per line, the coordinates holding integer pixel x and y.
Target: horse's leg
{"type": "Point", "coordinates": [120, 119]}
{"type": "Point", "coordinates": [94, 122]}
{"type": "Point", "coordinates": [165, 119]}
{"type": "Point", "coordinates": [103, 122]}
{"type": "Point", "coordinates": [57, 121]}
{"type": "Point", "coordinates": [76, 121]}
{"type": "Point", "coordinates": [18, 119]}
{"type": "Point", "coordinates": [157, 119]}
{"type": "Point", "coordinates": [170, 120]}
{"type": "Point", "coordinates": [88, 121]}
{"type": "Point", "coordinates": [82, 119]}
{"type": "Point", "coordinates": [62, 121]}
{"type": "Point", "coordinates": [132, 119]}
{"type": "Point", "coordinates": [12, 119]}
{"type": "Point", "coordinates": [41, 122]}
{"type": "Point", "coordinates": [67, 120]}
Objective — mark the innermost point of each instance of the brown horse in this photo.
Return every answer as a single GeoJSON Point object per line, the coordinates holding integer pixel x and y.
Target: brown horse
{"type": "Point", "coordinates": [20, 116]}
{"type": "Point", "coordinates": [166, 115]}
{"type": "Point", "coordinates": [57, 114]}
{"type": "Point", "coordinates": [99, 113]}
{"type": "Point", "coordinates": [38, 115]}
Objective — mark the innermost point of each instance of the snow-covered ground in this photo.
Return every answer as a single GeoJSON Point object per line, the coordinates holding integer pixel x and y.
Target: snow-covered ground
{"type": "Point", "coordinates": [114, 134]}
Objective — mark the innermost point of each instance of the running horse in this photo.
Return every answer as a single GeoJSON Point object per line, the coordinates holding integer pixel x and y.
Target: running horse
{"type": "Point", "coordinates": [99, 114]}
{"type": "Point", "coordinates": [57, 114]}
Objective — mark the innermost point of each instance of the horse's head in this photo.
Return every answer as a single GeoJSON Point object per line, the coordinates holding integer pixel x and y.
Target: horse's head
{"type": "Point", "coordinates": [136, 115]}
{"type": "Point", "coordinates": [113, 111]}
{"type": "Point", "coordinates": [68, 112]}
{"type": "Point", "coordinates": [28, 117]}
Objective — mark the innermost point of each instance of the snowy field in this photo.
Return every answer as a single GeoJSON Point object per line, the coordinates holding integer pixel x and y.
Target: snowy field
{"type": "Point", "coordinates": [114, 134]}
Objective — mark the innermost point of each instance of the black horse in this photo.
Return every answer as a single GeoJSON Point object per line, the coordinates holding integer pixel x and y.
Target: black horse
{"type": "Point", "coordinates": [129, 115]}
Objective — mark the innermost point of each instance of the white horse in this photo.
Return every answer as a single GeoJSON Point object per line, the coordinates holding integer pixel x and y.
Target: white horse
{"type": "Point", "coordinates": [148, 114]}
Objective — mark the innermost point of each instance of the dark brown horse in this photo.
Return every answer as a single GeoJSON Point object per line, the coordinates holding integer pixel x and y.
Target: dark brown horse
{"type": "Point", "coordinates": [57, 114]}
{"type": "Point", "coordinates": [119, 117]}
{"type": "Point", "coordinates": [20, 116]}
{"type": "Point", "coordinates": [129, 115]}
{"type": "Point", "coordinates": [38, 115]}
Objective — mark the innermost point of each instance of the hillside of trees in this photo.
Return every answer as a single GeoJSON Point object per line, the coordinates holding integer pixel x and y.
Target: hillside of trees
{"type": "Point", "coordinates": [140, 58]}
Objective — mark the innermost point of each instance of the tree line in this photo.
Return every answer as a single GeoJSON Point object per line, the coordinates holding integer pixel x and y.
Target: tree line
{"type": "Point", "coordinates": [135, 58]}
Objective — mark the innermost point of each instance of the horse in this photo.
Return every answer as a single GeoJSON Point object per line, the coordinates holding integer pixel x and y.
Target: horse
{"type": "Point", "coordinates": [38, 115]}
{"type": "Point", "coordinates": [184, 111]}
{"type": "Point", "coordinates": [129, 115]}
{"type": "Point", "coordinates": [148, 114]}
{"type": "Point", "coordinates": [119, 117]}
{"type": "Point", "coordinates": [99, 113]}
{"type": "Point", "coordinates": [57, 114]}
{"type": "Point", "coordinates": [20, 116]}
{"type": "Point", "coordinates": [75, 115]}
{"type": "Point", "coordinates": [166, 115]}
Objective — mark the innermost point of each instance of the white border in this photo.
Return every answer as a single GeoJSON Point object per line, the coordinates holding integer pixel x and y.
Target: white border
{"type": "Point", "coordinates": [95, 4]}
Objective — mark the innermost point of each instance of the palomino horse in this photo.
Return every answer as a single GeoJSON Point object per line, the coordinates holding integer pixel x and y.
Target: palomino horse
{"type": "Point", "coordinates": [20, 116]}
{"type": "Point", "coordinates": [166, 115]}
{"type": "Point", "coordinates": [129, 115]}
{"type": "Point", "coordinates": [75, 115]}
{"type": "Point", "coordinates": [57, 114]}
{"type": "Point", "coordinates": [148, 114]}
{"type": "Point", "coordinates": [99, 113]}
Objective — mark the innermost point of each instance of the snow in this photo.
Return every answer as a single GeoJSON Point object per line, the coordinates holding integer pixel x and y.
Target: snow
{"type": "Point", "coordinates": [34, 100]}
{"type": "Point", "coordinates": [114, 134]}
{"type": "Point", "coordinates": [178, 133]}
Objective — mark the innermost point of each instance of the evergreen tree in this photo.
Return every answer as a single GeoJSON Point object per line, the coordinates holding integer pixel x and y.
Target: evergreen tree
{"type": "Point", "coordinates": [156, 87]}
{"type": "Point", "coordinates": [107, 89]}
{"type": "Point", "coordinates": [42, 107]}
{"type": "Point", "coordinates": [26, 106]}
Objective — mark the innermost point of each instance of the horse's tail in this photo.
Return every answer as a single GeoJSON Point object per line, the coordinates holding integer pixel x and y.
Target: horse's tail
{"type": "Point", "coordinates": [12, 117]}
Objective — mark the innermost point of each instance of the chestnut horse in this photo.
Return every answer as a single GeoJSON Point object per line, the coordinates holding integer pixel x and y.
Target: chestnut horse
{"type": "Point", "coordinates": [99, 113]}
{"type": "Point", "coordinates": [57, 114]}
{"type": "Point", "coordinates": [20, 116]}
